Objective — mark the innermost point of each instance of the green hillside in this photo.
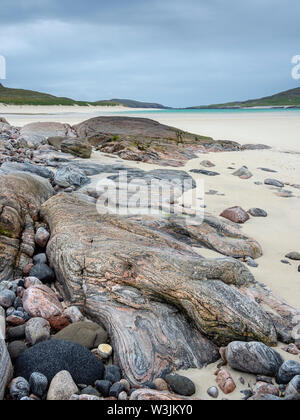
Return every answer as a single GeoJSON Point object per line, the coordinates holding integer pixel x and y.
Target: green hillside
{"type": "Point", "coordinates": [289, 98]}
{"type": "Point", "coordinates": [11, 96]}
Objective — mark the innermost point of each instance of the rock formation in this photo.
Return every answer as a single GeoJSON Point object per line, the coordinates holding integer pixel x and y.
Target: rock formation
{"type": "Point", "coordinates": [21, 196]}
{"type": "Point", "coordinates": [154, 294]}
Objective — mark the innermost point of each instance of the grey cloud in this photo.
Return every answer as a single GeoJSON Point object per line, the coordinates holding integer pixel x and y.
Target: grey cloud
{"type": "Point", "coordinates": [177, 52]}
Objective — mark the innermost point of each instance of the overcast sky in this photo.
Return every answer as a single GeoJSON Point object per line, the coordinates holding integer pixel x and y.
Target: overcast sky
{"type": "Point", "coordinates": [176, 52]}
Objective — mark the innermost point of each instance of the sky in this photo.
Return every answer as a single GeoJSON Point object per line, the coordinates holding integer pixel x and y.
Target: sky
{"type": "Point", "coordinates": [175, 52]}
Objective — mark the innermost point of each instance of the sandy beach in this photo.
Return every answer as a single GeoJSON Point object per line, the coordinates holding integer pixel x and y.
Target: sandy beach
{"type": "Point", "coordinates": [278, 233]}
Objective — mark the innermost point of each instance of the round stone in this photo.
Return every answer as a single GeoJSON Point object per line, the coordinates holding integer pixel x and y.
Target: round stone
{"type": "Point", "coordinates": [38, 384]}
{"type": "Point", "coordinates": [19, 388]}
{"type": "Point", "coordinates": [213, 392]}
{"type": "Point", "coordinates": [105, 351]}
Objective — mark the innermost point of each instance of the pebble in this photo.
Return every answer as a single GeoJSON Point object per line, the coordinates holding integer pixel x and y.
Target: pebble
{"type": "Point", "coordinates": [253, 357]}
{"type": "Point", "coordinates": [42, 237]}
{"type": "Point", "coordinates": [62, 387]}
{"type": "Point", "coordinates": [38, 384]}
{"type": "Point", "coordinates": [19, 388]}
{"type": "Point", "coordinates": [40, 259]}
{"type": "Point", "coordinates": [243, 173]}
{"type": "Point", "coordinates": [292, 349]}
{"type": "Point", "coordinates": [250, 261]}
{"type": "Point", "coordinates": [15, 349]}
{"type": "Point", "coordinates": [225, 382]}
{"type": "Point", "coordinates": [103, 387]}
{"type": "Point", "coordinates": [293, 389]}
{"type": "Point", "coordinates": [213, 392]}
{"type": "Point", "coordinates": [105, 351]}
{"type": "Point", "coordinates": [43, 272]}
{"type": "Point", "coordinates": [116, 389]}
{"type": "Point", "coordinates": [274, 183]}
{"type": "Point", "coordinates": [161, 384]}
{"type": "Point", "coordinates": [126, 384]}
{"type": "Point", "coordinates": [7, 298]}
{"type": "Point", "coordinates": [181, 385]}
{"type": "Point", "coordinates": [264, 388]}
{"type": "Point", "coordinates": [288, 371]}
{"type": "Point", "coordinates": [37, 330]}
{"type": "Point", "coordinates": [112, 374]}
{"type": "Point", "coordinates": [295, 256]}
{"type": "Point", "coordinates": [16, 333]}
{"type": "Point", "coordinates": [235, 214]}
{"type": "Point", "coordinates": [256, 212]}
{"type": "Point", "coordinates": [123, 396]}
{"type": "Point", "coordinates": [89, 390]}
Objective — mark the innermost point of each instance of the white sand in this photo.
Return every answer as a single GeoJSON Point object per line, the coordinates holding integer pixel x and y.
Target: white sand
{"type": "Point", "coordinates": [278, 234]}
{"type": "Point", "coordinates": [278, 129]}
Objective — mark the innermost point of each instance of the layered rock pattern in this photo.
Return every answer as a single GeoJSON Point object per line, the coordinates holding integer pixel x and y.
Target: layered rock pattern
{"type": "Point", "coordinates": [21, 196]}
{"type": "Point", "coordinates": [156, 297]}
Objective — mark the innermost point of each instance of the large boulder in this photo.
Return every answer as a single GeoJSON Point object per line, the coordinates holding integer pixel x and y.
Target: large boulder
{"type": "Point", "coordinates": [254, 357]}
{"type": "Point", "coordinates": [6, 369]}
{"type": "Point", "coordinates": [124, 273]}
{"type": "Point", "coordinates": [70, 175]}
{"type": "Point", "coordinates": [54, 356]}
{"type": "Point", "coordinates": [142, 139]}
{"type": "Point", "coordinates": [38, 133]}
{"type": "Point", "coordinates": [21, 196]}
{"type": "Point", "coordinates": [78, 147]}
{"type": "Point", "coordinates": [11, 167]}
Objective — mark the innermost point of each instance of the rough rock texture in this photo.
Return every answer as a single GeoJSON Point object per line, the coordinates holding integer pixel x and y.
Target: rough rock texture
{"type": "Point", "coordinates": [214, 233]}
{"type": "Point", "coordinates": [40, 131]}
{"type": "Point", "coordinates": [153, 395]}
{"type": "Point", "coordinates": [21, 196]}
{"type": "Point", "coordinates": [78, 147]}
{"type": "Point", "coordinates": [235, 214]}
{"type": "Point", "coordinates": [255, 358]}
{"type": "Point", "coordinates": [146, 140]}
{"type": "Point", "coordinates": [6, 369]}
{"type": "Point", "coordinates": [51, 357]}
{"type": "Point", "coordinates": [293, 389]}
{"type": "Point", "coordinates": [122, 273]}
{"type": "Point", "coordinates": [11, 167]}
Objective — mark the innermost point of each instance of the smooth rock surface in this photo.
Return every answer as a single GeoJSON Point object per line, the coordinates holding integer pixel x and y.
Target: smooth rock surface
{"type": "Point", "coordinates": [62, 387]}
{"type": "Point", "coordinates": [6, 369]}
{"type": "Point", "coordinates": [253, 357]}
{"type": "Point", "coordinates": [180, 385]}
{"type": "Point", "coordinates": [41, 301]}
{"type": "Point", "coordinates": [288, 371]}
{"type": "Point", "coordinates": [37, 330]}
{"type": "Point", "coordinates": [87, 334]}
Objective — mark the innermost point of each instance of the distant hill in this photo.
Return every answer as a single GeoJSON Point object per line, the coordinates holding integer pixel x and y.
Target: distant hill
{"type": "Point", "coordinates": [136, 104]}
{"type": "Point", "coordinates": [11, 96]}
{"type": "Point", "coordinates": [288, 98]}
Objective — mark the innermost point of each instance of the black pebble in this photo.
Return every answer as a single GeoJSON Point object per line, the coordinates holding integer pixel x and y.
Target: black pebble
{"type": "Point", "coordinates": [112, 374]}
{"type": "Point", "coordinates": [103, 387]}
{"type": "Point", "coordinates": [116, 390]}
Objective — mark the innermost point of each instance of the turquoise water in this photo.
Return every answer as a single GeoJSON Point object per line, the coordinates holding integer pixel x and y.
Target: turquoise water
{"type": "Point", "coordinates": [212, 111]}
